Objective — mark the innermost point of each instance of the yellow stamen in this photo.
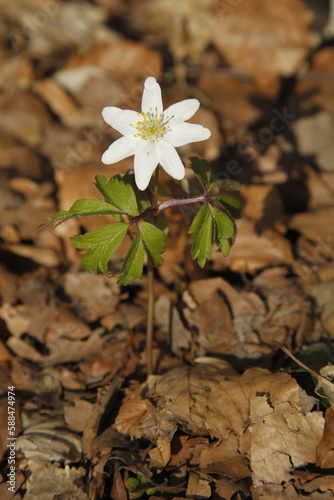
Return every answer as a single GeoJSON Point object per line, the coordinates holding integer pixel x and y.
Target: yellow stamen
{"type": "Point", "coordinates": [151, 126]}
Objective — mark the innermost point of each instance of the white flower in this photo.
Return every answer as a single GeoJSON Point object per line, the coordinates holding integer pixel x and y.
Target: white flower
{"type": "Point", "coordinates": [152, 135]}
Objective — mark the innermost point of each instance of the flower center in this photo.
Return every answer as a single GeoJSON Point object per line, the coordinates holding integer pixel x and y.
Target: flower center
{"type": "Point", "coordinates": [151, 126]}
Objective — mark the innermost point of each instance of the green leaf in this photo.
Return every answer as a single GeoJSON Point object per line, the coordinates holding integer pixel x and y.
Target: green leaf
{"type": "Point", "coordinates": [104, 241]}
{"type": "Point", "coordinates": [150, 491]}
{"type": "Point", "coordinates": [118, 193]}
{"type": "Point", "coordinates": [133, 482]}
{"type": "Point", "coordinates": [226, 185]}
{"type": "Point", "coordinates": [154, 242]}
{"type": "Point", "coordinates": [100, 235]}
{"type": "Point", "coordinates": [224, 246]}
{"type": "Point", "coordinates": [90, 260]}
{"type": "Point", "coordinates": [224, 230]}
{"type": "Point", "coordinates": [224, 223]}
{"type": "Point", "coordinates": [231, 203]}
{"type": "Point", "coordinates": [184, 183]}
{"type": "Point", "coordinates": [202, 171]}
{"type": "Point", "coordinates": [201, 235]}
{"type": "Point", "coordinates": [83, 208]}
{"type": "Point", "coordinates": [133, 263]}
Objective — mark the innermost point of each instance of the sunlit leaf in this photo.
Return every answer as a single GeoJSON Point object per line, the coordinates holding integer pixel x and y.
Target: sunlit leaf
{"type": "Point", "coordinates": [224, 230]}
{"type": "Point", "coordinates": [201, 235]}
{"type": "Point", "coordinates": [104, 241]}
{"type": "Point", "coordinates": [118, 193]}
{"type": "Point", "coordinates": [154, 242]}
{"type": "Point", "coordinates": [134, 261]}
{"type": "Point", "coordinates": [84, 208]}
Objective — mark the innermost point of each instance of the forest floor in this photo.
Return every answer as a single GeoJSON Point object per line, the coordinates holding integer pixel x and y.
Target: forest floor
{"type": "Point", "coordinates": [228, 413]}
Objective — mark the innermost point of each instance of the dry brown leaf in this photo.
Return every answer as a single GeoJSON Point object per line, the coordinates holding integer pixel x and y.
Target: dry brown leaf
{"type": "Point", "coordinates": [47, 480]}
{"type": "Point", "coordinates": [115, 357]}
{"type": "Point", "coordinates": [198, 486]}
{"type": "Point", "coordinates": [263, 38]}
{"type": "Point", "coordinates": [319, 486]}
{"type": "Point", "coordinates": [217, 334]}
{"type": "Point", "coordinates": [91, 443]}
{"type": "Point", "coordinates": [225, 459]}
{"type": "Point", "coordinates": [71, 380]}
{"type": "Point", "coordinates": [120, 56]}
{"type": "Point", "coordinates": [132, 411]}
{"type": "Point", "coordinates": [227, 488]}
{"type": "Point", "coordinates": [263, 204]}
{"type": "Point", "coordinates": [93, 295]}
{"type": "Point", "coordinates": [118, 491]}
{"type": "Point", "coordinates": [314, 225]}
{"type": "Point", "coordinates": [34, 117]}
{"type": "Point", "coordinates": [60, 102]}
{"type": "Point", "coordinates": [185, 26]}
{"type": "Point", "coordinates": [246, 324]}
{"type": "Point", "coordinates": [258, 408]}
{"type": "Point", "coordinates": [76, 415]}
{"type": "Point", "coordinates": [168, 319]}
{"type": "Point", "coordinates": [323, 294]}
{"type": "Point", "coordinates": [325, 448]}
{"type": "Point", "coordinates": [313, 135]}
{"type": "Point", "coordinates": [126, 315]}
{"type": "Point", "coordinates": [253, 251]}
{"type": "Point", "coordinates": [50, 440]}
{"type": "Point", "coordinates": [281, 442]}
{"type": "Point", "coordinates": [44, 256]}
{"type": "Point", "coordinates": [232, 95]}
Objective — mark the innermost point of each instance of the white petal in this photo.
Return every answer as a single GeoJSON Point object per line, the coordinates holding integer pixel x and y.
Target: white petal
{"type": "Point", "coordinates": [120, 149]}
{"type": "Point", "coordinates": [146, 161]}
{"type": "Point", "coordinates": [185, 133]}
{"type": "Point", "coordinates": [181, 111]}
{"type": "Point", "coordinates": [151, 100]}
{"type": "Point", "coordinates": [120, 119]}
{"type": "Point", "coordinates": [170, 160]}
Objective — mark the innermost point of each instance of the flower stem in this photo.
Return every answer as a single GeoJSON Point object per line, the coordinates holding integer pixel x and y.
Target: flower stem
{"type": "Point", "coordinates": [150, 319]}
{"type": "Point", "coordinates": [150, 284]}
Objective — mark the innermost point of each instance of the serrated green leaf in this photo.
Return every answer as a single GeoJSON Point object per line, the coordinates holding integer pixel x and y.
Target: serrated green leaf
{"type": "Point", "coordinates": [134, 261]}
{"type": "Point", "coordinates": [201, 235]}
{"type": "Point", "coordinates": [231, 203]}
{"type": "Point", "coordinates": [224, 246]}
{"type": "Point", "coordinates": [118, 193]}
{"type": "Point", "coordinates": [224, 224]}
{"type": "Point", "coordinates": [202, 170]}
{"type": "Point", "coordinates": [100, 235]}
{"type": "Point", "coordinates": [224, 230]}
{"type": "Point", "coordinates": [84, 208]}
{"type": "Point", "coordinates": [154, 242]}
{"type": "Point", "coordinates": [104, 240]}
{"type": "Point", "coordinates": [90, 260]}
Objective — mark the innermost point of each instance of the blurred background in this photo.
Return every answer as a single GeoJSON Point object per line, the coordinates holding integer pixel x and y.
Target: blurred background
{"type": "Point", "coordinates": [263, 71]}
